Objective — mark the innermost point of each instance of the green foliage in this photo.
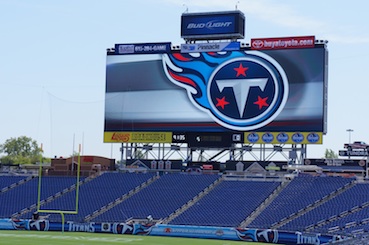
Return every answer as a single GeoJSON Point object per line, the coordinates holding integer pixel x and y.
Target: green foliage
{"type": "Point", "coordinates": [21, 150]}
{"type": "Point", "coordinates": [330, 154]}
{"type": "Point", "coordinates": [75, 154]}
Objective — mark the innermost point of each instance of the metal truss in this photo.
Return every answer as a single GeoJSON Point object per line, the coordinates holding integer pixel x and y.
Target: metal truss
{"type": "Point", "coordinates": [291, 153]}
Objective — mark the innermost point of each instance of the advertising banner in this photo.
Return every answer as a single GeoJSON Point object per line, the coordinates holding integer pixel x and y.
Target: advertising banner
{"type": "Point", "coordinates": [215, 25]}
{"type": "Point", "coordinates": [209, 47]}
{"type": "Point", "coordinates": [284, 138]}
{"type": "Point", "coordinates": [221, 233]}
{"type": "Point", "coordinates": [344, 153]}
{"type": "Point", "coordinates": [138, 137]}
{"type": "Point", "coordinates": [142, 48]}
{"type": "Point", "coordinates": [353, 164]}
{"type": "Point", "coordinates": [283, 42]}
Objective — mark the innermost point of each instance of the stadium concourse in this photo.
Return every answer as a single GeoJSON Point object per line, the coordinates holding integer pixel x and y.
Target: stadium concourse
{"type": "Point", "coordinates": [304, 202]}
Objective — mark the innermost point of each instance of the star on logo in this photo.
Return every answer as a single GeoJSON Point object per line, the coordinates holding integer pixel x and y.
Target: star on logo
{"type": "Point", "coordinates": [261, 102]}
{"type": "Point", "coordinates": [241, 70]}
{"type": "Point", "coordinates": [222, 102]}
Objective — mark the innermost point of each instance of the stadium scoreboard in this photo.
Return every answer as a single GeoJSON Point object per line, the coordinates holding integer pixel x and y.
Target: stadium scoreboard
{"type": "Point", "coordinates": [274, 92]}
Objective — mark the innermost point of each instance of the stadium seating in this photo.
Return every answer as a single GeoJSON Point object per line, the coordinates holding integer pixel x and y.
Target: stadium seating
{"type": "Point", "coordinates": [24, 195]}
{"type": "Point", "coordinates": [160, 198]}
{"type": "Point", "coordinates": [300, 193]}
{"type": "Point", "coordinates": [228, 204]}
{"type": "Point", "coordinates": [7, 181]}
{"type": "Point", "coordinates": [342, 205]}
{"type": "Point", "coordinates": [96, 193]}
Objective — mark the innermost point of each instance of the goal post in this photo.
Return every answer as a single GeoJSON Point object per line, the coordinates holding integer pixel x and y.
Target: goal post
{"type": "Point", "coordinates": [60, 211]}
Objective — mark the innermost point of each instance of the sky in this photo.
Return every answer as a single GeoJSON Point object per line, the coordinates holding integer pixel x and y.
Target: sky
{"type": "Point", "coordinates": [53, 57]}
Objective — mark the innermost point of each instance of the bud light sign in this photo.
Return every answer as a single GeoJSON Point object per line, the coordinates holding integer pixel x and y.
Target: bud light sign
{"type": "Point", "coordinates": [216, 25]}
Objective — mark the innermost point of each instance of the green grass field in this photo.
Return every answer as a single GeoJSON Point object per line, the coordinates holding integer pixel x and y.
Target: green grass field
{"type": "Point", "coordinates": [82, 238]}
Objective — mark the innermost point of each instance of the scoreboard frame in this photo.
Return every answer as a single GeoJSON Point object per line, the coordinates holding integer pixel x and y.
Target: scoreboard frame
{"type": "Point", "coordinates": [142, 128]}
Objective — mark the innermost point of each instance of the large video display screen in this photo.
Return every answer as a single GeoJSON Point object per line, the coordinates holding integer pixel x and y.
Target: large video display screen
{"type": "Point", "coordinates": [243, 91]}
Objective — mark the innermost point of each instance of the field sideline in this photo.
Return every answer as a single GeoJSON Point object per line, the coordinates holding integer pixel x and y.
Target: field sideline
{"type": "Point", "coordinates": [81, 238]}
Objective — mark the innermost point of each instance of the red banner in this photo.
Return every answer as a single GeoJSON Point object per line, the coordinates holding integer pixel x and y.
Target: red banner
{"type": "Point", "coordinates": [283, 42]}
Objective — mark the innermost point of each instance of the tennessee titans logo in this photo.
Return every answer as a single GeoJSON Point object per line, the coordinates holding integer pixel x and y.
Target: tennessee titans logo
{"type": "Point", "coordinates": [246, 234]}
{"type": "Point", "coordinates": [19, 224]}
{"type": "Point", "coordinates": [143, 229]}
{"type": "Point", "coordinates": [269, 236]}
{"type": "Point", "coordinates": [122, 228]}
{"type": "Point", "coordinates": [239, 90]}
{"type": "Point", "coordinates": [38, 225]}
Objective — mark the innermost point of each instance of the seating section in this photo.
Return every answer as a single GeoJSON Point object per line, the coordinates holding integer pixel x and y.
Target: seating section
{"type": "Point", "coordinates": [6, 181]}
{"type": "Point", "coordinates": [343, 204]}
{"type": "Point", "coordinates": [358, 226]}
{"type": "Point", "coordinates": [228, 204]}
{"type": "Point", "coordinates": [25, 194]}
{"type": "Point", "coordinates": [350, 222]}
{"type": "Point", "coordinates": [301, 192]}
{"type": "Point", "coordinates": [95, 194]}
{"type": "Point", "coordinates": [160, 198]}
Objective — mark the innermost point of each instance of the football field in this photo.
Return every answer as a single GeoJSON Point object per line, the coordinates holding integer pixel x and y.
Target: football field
{"type": "Point", "coordinates": [81, 238]}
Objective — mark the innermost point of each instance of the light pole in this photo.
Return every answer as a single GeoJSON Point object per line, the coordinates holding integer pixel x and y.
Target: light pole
{"type": "Point", "coordinates": [349, 131]}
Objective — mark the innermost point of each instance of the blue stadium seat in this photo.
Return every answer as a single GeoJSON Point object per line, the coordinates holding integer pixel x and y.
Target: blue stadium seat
{"type": "Point", "coordinates": [95, 194]}
{"type": "Point", "coordinates": [160, 198]}
{"type": "Point", "coordinates": [25, 195]}
{"type": "Point", "coordinates": [228, 204]}
{"type": "Point", "coordinates": [303, 190]}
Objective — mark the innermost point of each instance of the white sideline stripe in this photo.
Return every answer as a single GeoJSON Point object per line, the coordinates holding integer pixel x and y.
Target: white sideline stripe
{"type": "Point", "coordinates": [79, 238]}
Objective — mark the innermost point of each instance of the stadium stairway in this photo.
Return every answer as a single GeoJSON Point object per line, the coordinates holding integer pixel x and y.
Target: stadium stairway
{"type": "Point", "coordinates": [26, 212]}
{"type": "Point", "coordinates": [121, 199]}
{"type": "Point", "coordinates": [191, 202]}
{"type": "Point", "coordinates": [266, 202]}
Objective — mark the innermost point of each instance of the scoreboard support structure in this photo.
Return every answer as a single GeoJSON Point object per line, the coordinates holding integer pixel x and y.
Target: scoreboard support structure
{"type": "Point", "coordinates": [216, 98]}
{"type": "Point", "coordinates": [291, 153]}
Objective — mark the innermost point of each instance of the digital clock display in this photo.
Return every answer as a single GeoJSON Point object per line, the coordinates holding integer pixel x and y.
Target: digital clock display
{"type": "Point", "coordinates": [209, 140]}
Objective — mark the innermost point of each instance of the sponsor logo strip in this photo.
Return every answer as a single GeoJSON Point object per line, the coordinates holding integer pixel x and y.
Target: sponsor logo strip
{"type": "Point", "coordinates": [283, 42]}
{"type": "Point", "coordinates": [210, 47]}
{"type": "Point", "coordinates": [284, 138]}
{"type": "Point", "coordinates": [138, 137]}
{"type": "Point", "coordinates": [142, 48]}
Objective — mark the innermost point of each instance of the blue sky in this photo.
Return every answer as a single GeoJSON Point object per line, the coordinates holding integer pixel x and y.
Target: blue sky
{"type": "Point", "coordinates": [53, 54]}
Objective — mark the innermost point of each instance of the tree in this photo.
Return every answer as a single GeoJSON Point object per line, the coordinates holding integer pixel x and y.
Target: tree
{"type": "Point", "coordinates": [21, 150]}
{"type": "Point", "coordinates": [330, 154]}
